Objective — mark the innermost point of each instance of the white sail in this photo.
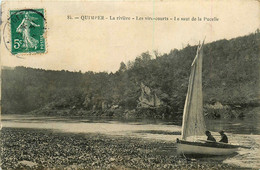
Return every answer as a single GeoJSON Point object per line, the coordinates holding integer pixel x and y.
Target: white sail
{"type": "Point", "coordinates": [193, 123]}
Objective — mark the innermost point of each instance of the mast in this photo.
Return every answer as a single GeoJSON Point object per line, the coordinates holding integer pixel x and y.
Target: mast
{"type": "Point", "coordinates": [193, 122]}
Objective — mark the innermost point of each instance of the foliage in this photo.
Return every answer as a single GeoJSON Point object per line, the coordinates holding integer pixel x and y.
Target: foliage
{"type": "Point", "coordinates": [230, 76]}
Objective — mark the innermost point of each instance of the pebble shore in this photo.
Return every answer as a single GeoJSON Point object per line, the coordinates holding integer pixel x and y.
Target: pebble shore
{"type": "Point", "coordinates": [46, 149]}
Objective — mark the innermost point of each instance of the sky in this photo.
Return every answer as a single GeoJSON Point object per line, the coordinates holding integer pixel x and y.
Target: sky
{"type": "Point", "coordinates": [100, 45]}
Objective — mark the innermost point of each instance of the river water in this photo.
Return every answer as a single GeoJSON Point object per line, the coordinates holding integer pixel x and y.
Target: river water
{"type": "Point", "coordinates": [244, 132]}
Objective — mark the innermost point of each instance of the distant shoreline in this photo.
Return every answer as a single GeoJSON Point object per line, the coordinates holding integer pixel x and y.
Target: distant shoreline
{"type": "Point", "coordinates": [148, 113]}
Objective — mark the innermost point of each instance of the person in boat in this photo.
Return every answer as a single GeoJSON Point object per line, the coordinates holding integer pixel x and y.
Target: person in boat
{"type": "Point", "coordinates": [224, 137]}
{"type": "Point", "coordinates": [210, 137]}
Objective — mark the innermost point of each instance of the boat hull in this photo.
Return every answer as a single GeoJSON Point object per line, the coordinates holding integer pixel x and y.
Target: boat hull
{"type": "Point", "coordinates": [199, 148]}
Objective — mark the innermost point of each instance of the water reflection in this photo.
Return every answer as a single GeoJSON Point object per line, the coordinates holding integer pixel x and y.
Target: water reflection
{"type": "Point", "coordinates": [249, 125]}
{"type": "Point", "coordinates": [236, 126]}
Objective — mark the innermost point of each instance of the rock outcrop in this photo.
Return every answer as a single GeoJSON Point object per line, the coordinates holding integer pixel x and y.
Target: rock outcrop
{"type": "Point", "coordinates": [148, 98]}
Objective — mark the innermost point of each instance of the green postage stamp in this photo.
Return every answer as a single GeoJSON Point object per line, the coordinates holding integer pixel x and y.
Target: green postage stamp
{"type": "Point", "coordinates": [27, 31]}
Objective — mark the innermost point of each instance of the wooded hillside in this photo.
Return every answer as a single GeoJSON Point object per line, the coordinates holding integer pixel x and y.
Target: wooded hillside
{"type": "Point", "coordinates": [230, 77]}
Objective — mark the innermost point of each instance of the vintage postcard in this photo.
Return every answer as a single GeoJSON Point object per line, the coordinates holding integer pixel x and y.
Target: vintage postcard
{"type": "Point", "coordinates": [130, 84]}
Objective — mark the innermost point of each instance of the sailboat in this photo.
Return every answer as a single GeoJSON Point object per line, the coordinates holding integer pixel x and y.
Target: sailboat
{"type": "Point", "coordinates": [193, 123]}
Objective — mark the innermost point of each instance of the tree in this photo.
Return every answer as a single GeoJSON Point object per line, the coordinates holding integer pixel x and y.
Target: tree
{"type": "Point", "coordinates": [122, 67]}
